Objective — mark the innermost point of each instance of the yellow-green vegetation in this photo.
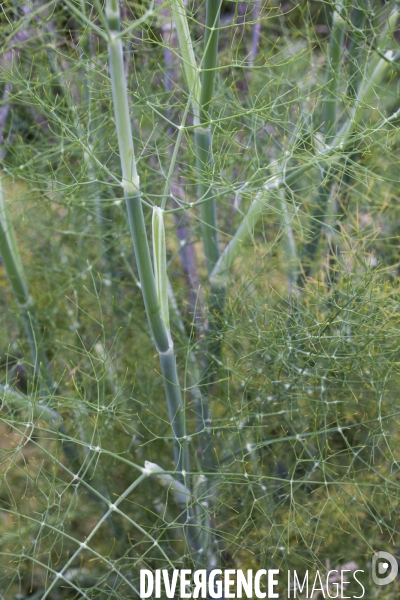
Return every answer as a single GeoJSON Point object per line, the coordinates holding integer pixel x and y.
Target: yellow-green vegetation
{"type": "Point", "coordinates": [199, 276]}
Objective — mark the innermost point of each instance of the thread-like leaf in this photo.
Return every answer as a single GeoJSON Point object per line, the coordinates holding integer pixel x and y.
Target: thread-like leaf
{"type": "Point", "coordinates": [178, 12]}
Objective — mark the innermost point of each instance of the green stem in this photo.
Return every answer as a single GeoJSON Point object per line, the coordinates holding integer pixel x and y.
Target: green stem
{"type": "Point", "coordinates": [316, 225]}
{"type": "Point", "coordinates": [192, 371]}
{"type": "Point", "coordinates": [137, 226]}
{"type": "Point", "coordinates": [180, 493]}
{"type": "Point", "coordinates": [355, 52]}
{"type": "Point", "coordinates": [88, 63]}
{"type": "Point", "coordinates": [16, 277]}
{"type": "Point", "coordinates": [292, 261]}
{"type": "Point", "coordinates": [355, 49]}
{"type": "Point", "coordinates": [348, 180]}
{"type": "Point", "coordinates": [50, 416]}
{"type": "Point", "coordinates": [332, 74]}
{"type": "Point", "coordinates": [330, 126]}
{"type": "Point", "coordinates": [203, 150]}
{"type": "Point", "coordinates": [40, 411]}
{"type": "Point", "coordinates": [203, 145]}
{"type": "Point", "coordinates": [290, 249]}
{"type": "Point", "coordinates": [187, 54]}
{"type": "Point", "coordinates": [130, 182]}
{"type": "Point", "coordinates": [204, 166]}
{"type": "Point", "coordinates": [210, 58]}
{"type": "Point", "coordinates": [221, 271]}
{"type": "Point", "coordinates": [112, 15]}
{"type": "Point", "coordinates": [62, 89]}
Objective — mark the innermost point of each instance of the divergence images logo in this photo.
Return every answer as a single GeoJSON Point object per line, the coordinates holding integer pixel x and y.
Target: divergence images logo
{"type": "Point", "coordinates": [384, 563]}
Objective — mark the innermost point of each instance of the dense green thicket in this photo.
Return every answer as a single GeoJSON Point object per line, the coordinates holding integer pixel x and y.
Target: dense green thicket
{"type": "Point", "coordinates": [284, 312]}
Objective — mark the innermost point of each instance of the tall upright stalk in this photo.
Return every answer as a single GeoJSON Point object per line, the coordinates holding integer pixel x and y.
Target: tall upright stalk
{"type": "Point", "coordinates": [177, 35]}
{"type": "Point", "coordinates": [4, 112]}
{"type": "Point", "coordinates": [329, 118]}
{"type": "Point", "coordinates": [131, 186]}
{"type": "Point", "coordinates": [183, 226]}
{"type": "Point", "coordinates": [188, 59]}
{"type": "Point", "coordinates": [255, 33]}
{"type": "Point", "coordinates": [355, 53]}
{"type": "Point", "coordinates": [88, 63]}
{"type": "Point", "coordinates": [204, 164]}
{"type": "Point", "coordinates": [202, 92]}
{"type": "Point", "coordinates": [332, 72]}
{"type": "Point", "coordinates": [290, 248]}
{"type": "Point", "coordinates": [355, 49]}
{"type": "Point", "coordinates": [203, 147]}
{"type": "Point", "coordinates": [202, 95]}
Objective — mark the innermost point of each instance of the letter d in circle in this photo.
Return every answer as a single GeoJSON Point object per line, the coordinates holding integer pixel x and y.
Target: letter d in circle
{"type": "Point", "coordinates": [383, 567]}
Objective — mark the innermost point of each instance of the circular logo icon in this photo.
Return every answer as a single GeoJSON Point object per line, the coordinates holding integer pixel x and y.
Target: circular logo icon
{"type": "Point", "coordinates": [385, 564]}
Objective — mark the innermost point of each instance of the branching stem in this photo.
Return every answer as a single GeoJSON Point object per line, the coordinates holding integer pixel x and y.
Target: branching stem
{"type": "Point", "coordinates": [131, 185]}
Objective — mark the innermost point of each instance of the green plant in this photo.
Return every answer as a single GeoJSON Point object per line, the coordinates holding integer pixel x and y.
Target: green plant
{"type": "Point", "coordinates": [280, 409]}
